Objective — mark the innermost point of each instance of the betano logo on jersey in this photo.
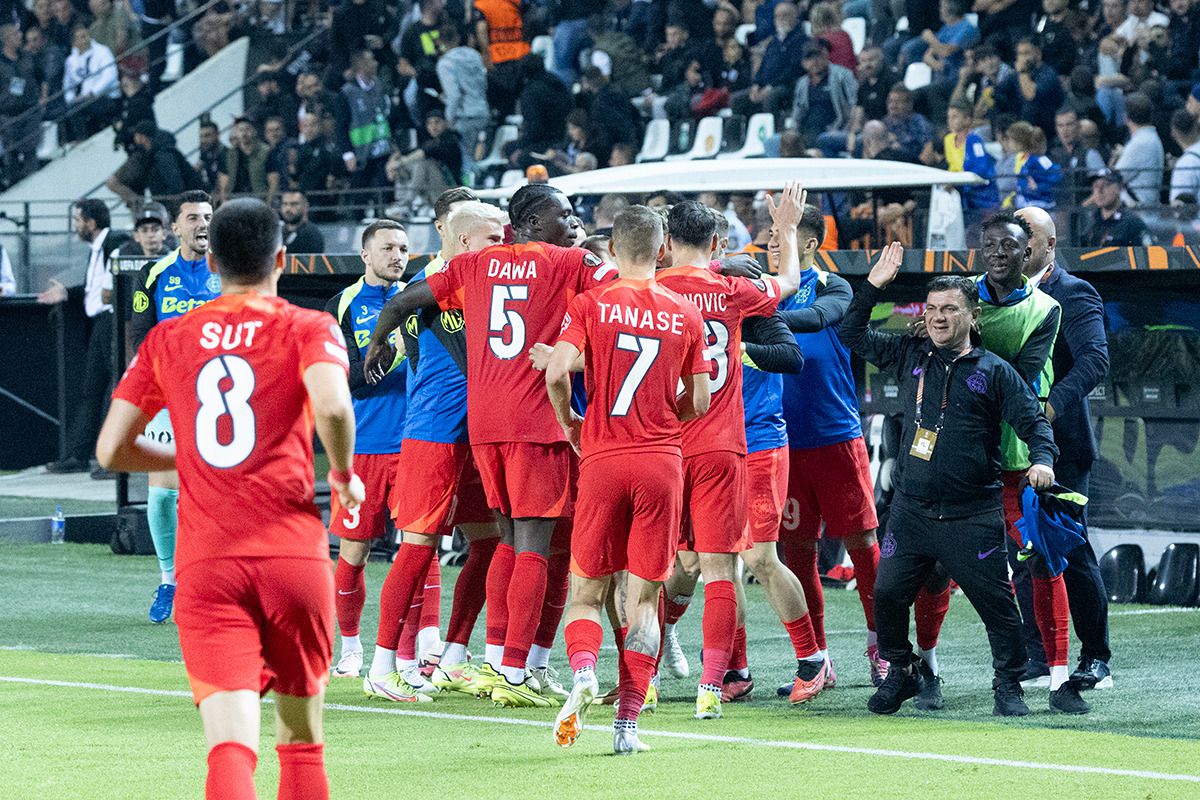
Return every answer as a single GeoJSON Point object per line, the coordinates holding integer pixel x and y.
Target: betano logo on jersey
{"type": "Point", "coordinates": [170, 305]}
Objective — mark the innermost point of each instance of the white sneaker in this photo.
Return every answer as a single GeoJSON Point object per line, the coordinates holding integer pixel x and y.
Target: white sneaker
{"type": "Point", "coordinates": [349, 665]}
{"type": "Point", "coordinates": [420, 684]}
{"type": "Point", "coordinates": [568, 725]}
{"type": "Point", "coordinates": [673, 659]}
{"type": "Point", "coordinates": [626, 743]}
{"type": "Point", "coordinates": [547, 682]}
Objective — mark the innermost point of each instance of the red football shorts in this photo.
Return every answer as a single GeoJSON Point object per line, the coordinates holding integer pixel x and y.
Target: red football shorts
{"type": "Point", "coordinates": [628, 515]}
{"type": "Point", "coordinates": [438, 488]}
{"type": "Point", "coordinates": [369, 520]}
{"type": "Point", "coordinates": [526, 480]}
{"type": "Point", "coordinates": [830, 484]}
{"type": "Point", "coordinates": [767, 484]}
{"type": "Point", "coordinates": [714, 503]}
{"type": "Point", "coordinates": [241, 619]}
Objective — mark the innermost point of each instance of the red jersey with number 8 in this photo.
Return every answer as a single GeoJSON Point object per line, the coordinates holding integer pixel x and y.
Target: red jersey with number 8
{"type": "Point", "coordinates": [512, 297]}
{"type": "Point", "coordinates": [638, 339]}
{"type": "Point", "coordinates": [231, 373]}
{"type": "Point", "coordinates": [723, 302]}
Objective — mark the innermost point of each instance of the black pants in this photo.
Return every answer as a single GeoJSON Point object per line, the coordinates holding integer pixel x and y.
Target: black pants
{"type": "Point", "coordinates": [973, 552]}
{"type": "Point", "coordinates": [1086, 594]}
{"type": "Point", "coordinates": [92, 403]}
{"type": "Point", "coordinates": [156, 53]}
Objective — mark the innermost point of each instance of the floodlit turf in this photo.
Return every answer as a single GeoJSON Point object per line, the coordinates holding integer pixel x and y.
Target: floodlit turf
{"type": "Point", "coordinates": [12, 507]}
{"type": "Point", "coordinates": [63, 603]}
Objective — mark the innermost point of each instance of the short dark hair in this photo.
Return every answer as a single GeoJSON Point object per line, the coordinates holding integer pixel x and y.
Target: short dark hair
{"type": "Point", "coordinates": [691, 224]}
{"type": "Point", "coordinates": [208, 123]}
{"type": "Point", "coordinates": [670, 196]}
{"type": "Point", "coordinates": [1139, 108]}
{"type": "Point", "coordinates": [958, 7]}
{"type": "Point", "coordinates": [1067, 110]}
{"type": "Point", "coordinates": [812, 223]}
{"type": "Point", "coordinates": [191, 196]}
{"type": "Point", "coordinates": [527, 200]}
{"type": "Point", "coordinates": [300, 192]}
{"type": "Point", "coordinates": [377, 226]}
{"type": "Point", "coordinates": [962, 106]}
{"type": "Point", "coordinates": [458, 194]}
{"type": "Point", "coordinates": [245, 236]}
{"type": "Point", "coordinates": [96, 210]}
{"type": "Point", "coordinates": [1007, 217]}
{"type": "Point", "coordinates": [1183, 122]}
{"type": "Point", "coordinates": [637, 233]}
{"type": "Point", "coordinates": [956, 283]}
{"type": "Point", "coordinates": [722, 223]}
{"type": "Point", "coordinates": [1035, 41]}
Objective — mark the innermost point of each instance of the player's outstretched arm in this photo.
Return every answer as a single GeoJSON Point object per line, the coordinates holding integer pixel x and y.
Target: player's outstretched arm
{"type": "Point", "coordinates": [122, 448]}
{"type": "Point", "coordinates": [381, 355]}
{"type": "Point", "coordinates": [539, 357]}
{"type": "Point", "coordinates": [333, 417]}
{"type": "Point", "coordinates": [558, 386]}
{"type": "Point", "coordinates": [786, 215]}
{"type": "Point", "coordinates": [697, 392]}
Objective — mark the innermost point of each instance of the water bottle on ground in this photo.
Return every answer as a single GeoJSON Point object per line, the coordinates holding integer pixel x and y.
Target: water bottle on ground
{"type": "Point", "coordinates": [58, 526]}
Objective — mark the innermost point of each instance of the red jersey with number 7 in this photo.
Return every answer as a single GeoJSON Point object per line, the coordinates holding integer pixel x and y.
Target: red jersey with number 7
{"type": "Point", "coordinates": [638, 340]}
{"type": "Point", "coordinates": [723, 302]}
{"type": "Point", "coordinates": [512, 297]}
{"type": "Point", "coordinates": [231, 373]}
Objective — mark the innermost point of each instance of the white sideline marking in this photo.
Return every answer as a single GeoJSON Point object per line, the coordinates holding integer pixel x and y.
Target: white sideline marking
{"type": "Point", "coordinates": [696, 737]}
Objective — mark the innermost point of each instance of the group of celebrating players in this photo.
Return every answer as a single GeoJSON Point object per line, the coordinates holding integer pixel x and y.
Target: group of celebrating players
{"type": "Point", "coordinates": [712, 398]}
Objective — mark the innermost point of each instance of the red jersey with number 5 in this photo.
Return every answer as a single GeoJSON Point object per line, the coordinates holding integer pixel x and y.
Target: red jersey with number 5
{"type": "Point", "coordinates": [638, 340]}
{"type": "Point", "coordinates": [723, 303]}
{"type": "Point", "coordinates": [231, 373]}
{"type": "Point", "coordinates": [512, 297]}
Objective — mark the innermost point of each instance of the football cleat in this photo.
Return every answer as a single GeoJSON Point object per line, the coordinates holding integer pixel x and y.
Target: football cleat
{"type": "Point", "coordinates": [485, 680]}
{"type": "Point", "coordinates": [809, 681]}
{"type": "Point", "coordinates": [673, 659]}
{"type": "Point", "coordinates": [568, 725]}
{"type": "Point", "coordinates": [1092, 673]}
{"type": "Point", "coordinates": [457, 678]}
{"type": "Point", "coordinates": [164, 601]}
{"type": "Point", "coordinates": [611, 696]}
{"type": "Point", "coordinates": [897, 687]}
{"type": "Point", "coordinates": [651, 696]}
{"type": "Point", "coordinates": [930, 696]}
{"type": "Point", "coordinates": [413, 677]}
{"type": "Point", "coordinates": [394, 688]}
{"type": "Point", "coordinates": [735, 688]}
{"type": "Point", "coordinates": [1010, 701]}
{"type": "Point", "coordinates": [830, 673]}
{"type": "Point", "coordinates": [349, 665]}
{"type": "Point", "coordinates": [1066, 700]}
{"type": "Point", "coordinates": [627, 743]}
{"type": "Point", "coordinates": [708, 704]}
{"type": "Point", "coordinates": [545, 682]}
{"type": "Point", "coordinates": [519, 695]}
{"type": "Point", "coordinates": [428, 665]}
{"type": "Point", "coordinates": [879, 667]}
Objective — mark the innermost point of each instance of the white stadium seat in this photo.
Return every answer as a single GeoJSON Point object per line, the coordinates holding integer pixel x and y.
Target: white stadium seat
{"type": "Point", "coordinates": [856, 27]}
{"type": "Point", "coordinates": [917, 75]}
{"type": "Point", "coordinates": [657, 141]}
{"type": "Point", "coordinates": [760, 128]}
{"type": "Point", "coordinates": [742, 34]}
{"type": "Point", "coordinates": [504, 134]}
{"type": "Point", "coordinates": [512, 177]}
{"type": "Point", "coordinates": [707, 141]}
{"type": "Point", "coordinates": [543, 46]}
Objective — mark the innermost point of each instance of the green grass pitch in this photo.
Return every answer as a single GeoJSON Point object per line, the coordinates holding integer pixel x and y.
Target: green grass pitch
{"type": "Point", "coordinates": [94, 704]}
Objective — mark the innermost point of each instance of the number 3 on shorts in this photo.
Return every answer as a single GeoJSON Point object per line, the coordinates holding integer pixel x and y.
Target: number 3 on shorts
{"type": "Point", "coordinates": [217, 401]}
{"type": "Point", "coordinates": [500, 318]}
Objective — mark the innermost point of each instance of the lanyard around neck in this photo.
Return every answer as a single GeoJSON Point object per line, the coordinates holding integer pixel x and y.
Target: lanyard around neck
{"type": "Point", "coordinates": [921, 394]}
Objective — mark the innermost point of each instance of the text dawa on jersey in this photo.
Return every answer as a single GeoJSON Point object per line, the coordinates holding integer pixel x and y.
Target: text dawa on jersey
{"type": "Point", "coordinates": [662, 321]}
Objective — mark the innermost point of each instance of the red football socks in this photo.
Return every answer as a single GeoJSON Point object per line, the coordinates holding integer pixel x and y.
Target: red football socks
{"type": "Point", "coordinates": [637, 670]}
{"type": "Point", "coordinates": [302, 772]}
{"type": "Point", "coordinates": [470, 591]}
{"type": "Point", "coordinates": [1051, 612]}
{"type": "Point", "coordinates": [718, 626]}
{"type": "Point", "coordinates": [866, 564]}
{"type": "Point", "coordinates": [583, 643]}
{"type": "Point", "coordinates": [404, 578]}
{"type": "Point", "coordinates": [230, 772]}
{"type": "Point", "coordinates": [674, 611]}
{"type": "Point", "coordinates": [558, 578]}
{"type": "Point", "coordinates": [804, 641]}
{"type": "Point", "coordinates": [929, 612]}
{"type": "Point", "coordinates": [350, 596]}
{"type": "Point", "coordinates": [526, 593]}
{"type": "Point", "coordinates": [805, 568]}
{"type": "Point", "coordinates": [498, 578]}
{"type": "Point", "coordinates": [431, 607]}
{"type": "Point", "coordinates": [406, 648]}
{"type": "Point", "coordinates": [737, 655]}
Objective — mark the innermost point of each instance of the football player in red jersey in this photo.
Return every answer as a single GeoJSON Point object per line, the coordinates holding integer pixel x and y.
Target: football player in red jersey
{"type": "Point", "coordinates": [639, 341]}
{"type": "Point", "coordinates": [511, 296]}
{"type": "Point", "coordinates": [247, 377]}
{"type": "Point", "coordinates": [714, 446]}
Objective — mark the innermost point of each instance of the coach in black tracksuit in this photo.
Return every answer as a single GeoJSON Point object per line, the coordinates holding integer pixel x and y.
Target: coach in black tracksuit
{"type": "Point", "coordinates": [947, 507]}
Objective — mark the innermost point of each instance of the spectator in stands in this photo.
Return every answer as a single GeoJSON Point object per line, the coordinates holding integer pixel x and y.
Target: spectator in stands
{"type": "Point", "coordinates": [137, 105]}
{"type": "Point", "coordinates": [725, 21]}
{"type": "Point", "coordinates": [66, 19]}
{"type": "Point", "coordinates": [43, 17]}
{"type": "Point", "coordinates": [910, 129]}
{"type": "Point", "coordinates": [1038, 177]}
{"type": "Point", "coordinates": [607, 209]}
{"type": "Point", "coordinates": [276, 140]}
{"type": "Point", "coordinates": [772, 87]}
{"type": "Point", "coordinates": [358, 25]}
{"type": "Point", "coordinates": [271, 101]}
{"type": "Point", "coordinates": [155, 165]}
{"type": "Point", "coordinates": [1112, 14]}
{"type": "Point", "coordinates": [149, 232]}
{"type": "Point", "coordinates": [1185, 176]}
{"type": "Point", "coordinates": [299, 235]}
{"type": "Point", "coordinates": [982, 72]}
{"type": "Point", "coordinates": [1141, 161]}
{"type": "Point", "coordinates": [90, 86]}
{"type": "Point", "coordinates": [1183, 31]}
{"type": "Point", "coordinates": [964, 152]}
{"type": "Point", "coordinates": [622, 154]}
{"type": "Point", "coordinates": [1081, 95]}
{"type": "Point", "coordinates": [48, 62]}
{"type": "Point", "coordinates": [1004, 22]}
{"type": "Point", "coordinates": [211, 157]}
{"type": "Point", "coordinates": [739, 236]}
{"type": "Point", "coordinates": [1072, 154]}
{"type": "Point", "coordinates": [1141, 17]}
{"type": "Point", "coordinates": [570, 37]}
{"type": "Point", "coordinates": [420, 49]}
{"type": "Point", "coordinates": [825, 96]}
{"type": "Point", "coordinates": [1111, 224]}
{"type": "Point", "coordinates": [544, 104]}
{"type": "Point", "coordinates": [499, 32]}
{"type": "Point", "coordinates": [735, 70]}
{"type": "Point", "coordinates": [245, 168]}
{"type": "Point", "coordinates": [943, 51]}
{"type": "Point", "coordinates": [1034, 93]}
{"type": "Point", "coordinates": [434, 167]}
{"type": "Point", "coordinates": [618, 56]}
{"type": "Point", "coordinates": [875, 80]}
{"type": "Point", "coordinates": [632, 17]}
{"type": "Point", "coordinates": [363, 128]}
{"type": "Point", "coordinates": [826, 21]}
{"type": "Point", "coordinates": [614, 119]}
{"type": "Point", "coordinates": [20, 118]}
{"type": "Point", "coordinates": [156, 16]}
{"type": "Point", "coordinates": [312, 161]}
{"type": "Point", "coordinates": [1054, 27]}
{"type": "Point", "coordinates": [114, 26]}
{"type": "Point", "coordinates": [313, 97]}
{"type": "Point", "coordinates": [463, 78]}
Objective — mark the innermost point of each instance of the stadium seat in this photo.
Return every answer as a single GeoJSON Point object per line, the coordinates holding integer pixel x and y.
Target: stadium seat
{"type": "Point", "coordinates": [742, 33]}
{"type": "Point", "coordinates": [1123, 569]}
{"type": "Point", "coordinates": [995, 150]}
{"type": "Point", "coordinates": [902, 25]}
{"type": "Point", "coordinates": [706, 143]}
{"type": "Point", "coordinates": [856, 27]}
{"type": "Point", "coordinates": [544, 46]}
{"type": "Point", "coordinates": [48, 148]}
{"type": "Point", "coordinates": [512, 177]}
{"type": "Point", "coordinates": [1178, 577]}
{"type": "Point", "coordinates": [972, 18]}
{"type": "Point", "coordinates": [760, 128]}
{"type": "Point", "coordinates": [917, 75]}
{"type": "Point", "coordinates": [504, 134]}
{"type": "Point", "coordinates": [657, 141]}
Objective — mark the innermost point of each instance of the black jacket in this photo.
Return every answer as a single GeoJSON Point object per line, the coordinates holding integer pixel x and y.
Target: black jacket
{"type": "Point", "coordinates": [307, 238]}
{"type": "Point", "coordinates": [962, 478]}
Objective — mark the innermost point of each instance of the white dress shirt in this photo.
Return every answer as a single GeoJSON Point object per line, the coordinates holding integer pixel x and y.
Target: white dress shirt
{"type": "Point", "coordinates": [98, 278]}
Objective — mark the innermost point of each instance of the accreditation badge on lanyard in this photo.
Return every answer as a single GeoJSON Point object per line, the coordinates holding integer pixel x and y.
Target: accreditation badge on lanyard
{"type": "Point", "coordinates": [925, 439]}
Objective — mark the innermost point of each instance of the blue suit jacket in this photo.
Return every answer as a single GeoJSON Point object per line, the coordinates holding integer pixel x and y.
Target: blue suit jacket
{"type": "Point", "coordinates": [1080, 363]}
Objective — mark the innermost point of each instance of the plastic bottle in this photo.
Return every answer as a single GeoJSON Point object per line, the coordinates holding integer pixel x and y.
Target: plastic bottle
{"type": "Point", "coordinates": [58, 526]}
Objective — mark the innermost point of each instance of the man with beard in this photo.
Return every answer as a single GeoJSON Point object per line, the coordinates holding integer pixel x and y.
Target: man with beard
{"type": "Point", "coordinates": [299, 235]}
